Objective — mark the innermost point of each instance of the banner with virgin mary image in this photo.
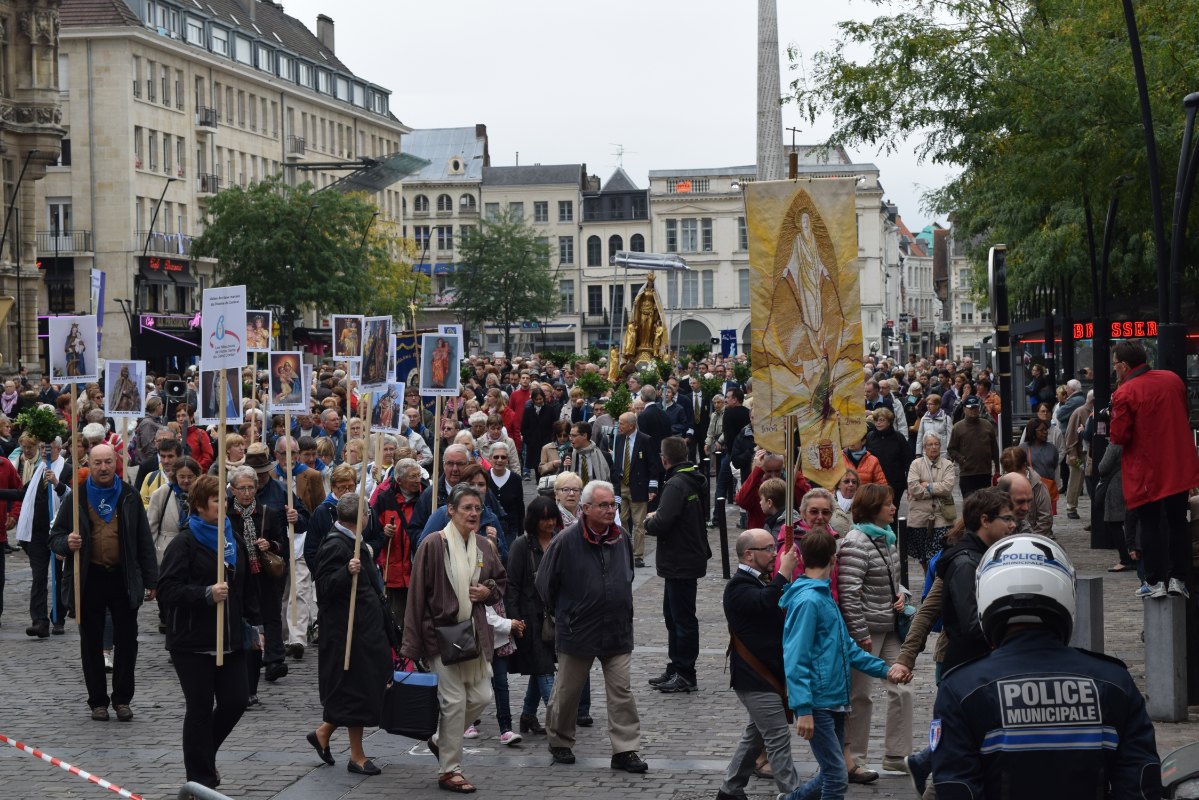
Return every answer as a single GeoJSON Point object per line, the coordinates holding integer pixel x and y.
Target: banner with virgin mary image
{"type": "Point", "coordinates": [805, 319]}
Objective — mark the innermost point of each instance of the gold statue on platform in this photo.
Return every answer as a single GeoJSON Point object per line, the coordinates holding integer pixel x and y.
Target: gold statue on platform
{"type": "Point", "coordinates": [644, 336]}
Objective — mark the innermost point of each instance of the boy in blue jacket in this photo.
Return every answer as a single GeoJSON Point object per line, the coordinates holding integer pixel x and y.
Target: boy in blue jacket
{"type": "Point", "coordinates": [817, 656]}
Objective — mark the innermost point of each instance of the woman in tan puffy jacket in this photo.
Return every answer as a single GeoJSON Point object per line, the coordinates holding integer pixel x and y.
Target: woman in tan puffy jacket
{"type": "Point", "coordinates": [931, 509]}
{"type": "Point", "coordinates": [871, 598]}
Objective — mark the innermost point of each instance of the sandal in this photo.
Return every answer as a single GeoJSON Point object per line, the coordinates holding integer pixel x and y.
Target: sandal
{"type": "Point", "coordinates": [454, 782]}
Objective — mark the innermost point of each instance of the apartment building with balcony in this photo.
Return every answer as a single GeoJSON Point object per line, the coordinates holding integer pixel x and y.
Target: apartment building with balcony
{"type": "Point", "coordinates": [441, 204]}
{"type": "Point", "coordinates": [166, 103]}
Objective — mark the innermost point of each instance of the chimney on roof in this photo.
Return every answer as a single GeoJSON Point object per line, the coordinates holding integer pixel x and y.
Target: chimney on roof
{"type": "Point", "coordinates": [481, 133]}
{"type": "Point", "coordinates": [324, 31]}
{"type": "Point", "coordinates": [253, 10]}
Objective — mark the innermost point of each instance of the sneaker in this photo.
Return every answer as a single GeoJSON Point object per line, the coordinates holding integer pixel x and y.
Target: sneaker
{"type": "Point", "coordinates": [895, 764]}
{"type": "Point", "coordinates": [1157, 590]}
{"type": "Point", "coordinates": [629, 761]}
{"type": "Point", "coordinates": [663, 678]}
{"type": "Point", "coordinates": [100, 713]}
{"type": "Point", "coordinates": [471, 732]}
{"type": "Point", "coordinates": [917, 773]}
{"type": "Point", "coordinates": [1178, 589]}
{"type": "Point", "coordinates": [124, 713]}
{"type": "Point", "coordinates": [108, 661]}
{"type": "Point", "coordinates": [1143, 591]}
{"type": "Point", "coordinates": [509, 738]}
{"type": "Point", "coordinates": [677, 684]}
{"type": "Point", "coordinates": [562, 755]}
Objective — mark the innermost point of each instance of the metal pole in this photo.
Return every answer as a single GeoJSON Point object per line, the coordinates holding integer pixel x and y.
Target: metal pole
{"type": "Point", "coordinates": [722, 523]}
{"type": "Point", "coordinates": [154, 216]}
{"type": "Point", "coordinates": [1003, 340]}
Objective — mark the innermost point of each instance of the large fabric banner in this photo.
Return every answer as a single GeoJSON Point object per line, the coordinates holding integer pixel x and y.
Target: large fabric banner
{"type": "Point", "coordinates": [806, 320]}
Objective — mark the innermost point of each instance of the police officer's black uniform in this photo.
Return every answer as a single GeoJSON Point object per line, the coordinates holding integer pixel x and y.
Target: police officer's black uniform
{"type": "Point", "coordinates": [1037, 719]}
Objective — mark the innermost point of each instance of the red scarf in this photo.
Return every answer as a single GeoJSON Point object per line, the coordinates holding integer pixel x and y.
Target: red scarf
{"type": "Point", "coordinates": [608, 537]}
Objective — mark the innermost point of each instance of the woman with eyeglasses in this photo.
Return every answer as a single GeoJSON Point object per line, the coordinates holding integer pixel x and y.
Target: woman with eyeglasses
{"type": "Point", "coordinates": [261, 530]}
{"type": "Point", "coordinates": [872, 599]}
{"type": "Point", "coordinates": [568, 487]}
{"type": "Point", "coordinates": [555, 451]}
{"type": "Point", "coordinates": [535, 652]}
{"type": "Point", "coordinates": [847, 487]}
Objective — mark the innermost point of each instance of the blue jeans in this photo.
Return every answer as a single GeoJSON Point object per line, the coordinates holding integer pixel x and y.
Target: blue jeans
{"type": "Point", "coordinates": [540, 689]}
{"type": "Point", "coordinates": [499, 684]}
{"type": "Point", "coordinates": [828, 739]}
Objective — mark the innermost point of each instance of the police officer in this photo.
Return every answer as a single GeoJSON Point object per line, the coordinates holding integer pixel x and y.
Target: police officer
{"type": "Point", "coordinates": [1036, 718]}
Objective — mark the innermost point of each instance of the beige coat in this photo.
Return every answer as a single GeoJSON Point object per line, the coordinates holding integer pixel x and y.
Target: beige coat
{"type": "Point", "coordinates": [923, 504]}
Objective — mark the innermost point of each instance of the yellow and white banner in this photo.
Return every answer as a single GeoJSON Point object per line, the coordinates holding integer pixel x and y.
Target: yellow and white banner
{"type": "Point", "coordinates": [806, 320]}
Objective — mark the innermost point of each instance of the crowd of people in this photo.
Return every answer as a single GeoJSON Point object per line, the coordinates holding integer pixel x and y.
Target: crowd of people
{"type": "Point", "coordinates": [520, 560]}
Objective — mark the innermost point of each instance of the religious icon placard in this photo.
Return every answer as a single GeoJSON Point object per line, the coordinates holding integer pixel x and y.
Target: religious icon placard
{"type": "Point", "coordinates": [73, 349]}
{"type": "Point", "coordinates": [386, 408]}
{"type": "Point", "coordinates": [439, 359]}
{"type": "Point", "coordinates": [223, 334]}
{"type": "Point", "coordinates": [347, 337]}
{"type": "Point", "coordinates": [805, 319]}
{"type": "Point", "coordinates": [375, 362]}
{"type": "Point", "coordinates": [208, 396]}
{"type": "Point", "coordinates": [258, 331]}
{"type": "Point", "coordinates": [287, 391]}
{"type": "Point", "coordinates": [124, 389]}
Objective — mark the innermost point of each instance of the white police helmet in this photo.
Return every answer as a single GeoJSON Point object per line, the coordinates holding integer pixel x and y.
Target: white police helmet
{"type": "Point", "coordinates": [1025, 579]}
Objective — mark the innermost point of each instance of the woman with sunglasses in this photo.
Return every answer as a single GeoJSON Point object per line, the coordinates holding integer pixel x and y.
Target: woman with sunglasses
{"type": "Point", "coordinates": [534, 654]}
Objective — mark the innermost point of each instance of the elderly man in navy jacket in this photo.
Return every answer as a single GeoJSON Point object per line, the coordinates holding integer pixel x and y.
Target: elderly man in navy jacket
{"type": "Point", "coordinates": [751, 606]}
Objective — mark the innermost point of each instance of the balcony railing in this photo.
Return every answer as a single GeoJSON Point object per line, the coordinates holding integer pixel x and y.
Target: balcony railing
{"type": "Point", "coordinates": [207, 117]}
{"type": "Point", "coordinates": [73, 242]}
{"type": "Point", "coordinates": [173, 244]}
{"type": "Point", "coordinates": [297, 146]}
{"type": "Point", "coordinates": [208, 184]}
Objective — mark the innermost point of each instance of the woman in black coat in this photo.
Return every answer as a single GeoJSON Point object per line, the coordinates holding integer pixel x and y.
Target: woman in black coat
{"type": "Point", "coordinates": [352, 698]}
{"type": "Point", "coordinates": [261, 529]}
{"type": "Point", "coordinates": [188, 590]}
{"type": "Point", "coordinates": [891, 449]}
{"type": "Point", "coordinates": [534, 656]}
{"type": "Point", "coordinates": [537, 424]}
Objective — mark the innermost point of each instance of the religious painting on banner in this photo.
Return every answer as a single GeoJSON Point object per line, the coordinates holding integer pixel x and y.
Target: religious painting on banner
{"type": "Point", "coordinates": [287, 384]}
{"type": "Point", "coordinates": [73, 346]}
{"type": "Point", "coordinates": [376, 339]}
{"type": "Point", "coordinates": [347, 337]}
{"type": "Point", "coordinates": [124, 392]}
{"type": "Point", "coordinates": [806, 326]}
{"type": "Point", "coordinates": [387, 405]}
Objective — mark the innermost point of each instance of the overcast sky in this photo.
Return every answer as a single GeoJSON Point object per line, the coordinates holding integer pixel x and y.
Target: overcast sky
{"type": "Point", "coordinates": [673, 82]}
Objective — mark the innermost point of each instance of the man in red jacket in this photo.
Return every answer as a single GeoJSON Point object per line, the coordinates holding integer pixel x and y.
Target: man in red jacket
{"type": "Point", "coordinates": [766, 465]}
{"type": "Point", "coordinates": [1160, 467]}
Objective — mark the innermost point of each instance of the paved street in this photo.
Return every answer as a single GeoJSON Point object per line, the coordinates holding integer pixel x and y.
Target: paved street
{"type": "Point", "coordinates": [686, 738]}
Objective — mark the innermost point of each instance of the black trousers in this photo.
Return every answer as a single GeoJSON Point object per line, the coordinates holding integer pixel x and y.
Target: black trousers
{"type": "Point", "coordinates": [1165, 539]}
{"type": "Point", "coordinates": [270, 594]}
{"type": "Point", "coordinates": [970, 484]}
{"type": "Point", "coordinates": [205, 728]}
{"type": "Point", "coordinates": [682, 626]}
{"type": "Point", "coordinates": [104, 590]}
{"type": "Point", "coordinates": [41, 561]}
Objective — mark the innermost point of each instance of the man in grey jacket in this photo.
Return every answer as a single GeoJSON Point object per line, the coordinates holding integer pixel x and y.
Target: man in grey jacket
{"type": "Point", "coordinates": [586, 581]}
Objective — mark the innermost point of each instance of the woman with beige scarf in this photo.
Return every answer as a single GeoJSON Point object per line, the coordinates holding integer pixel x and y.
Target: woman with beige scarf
{"type": "Point", "coordinates": [454, 575]}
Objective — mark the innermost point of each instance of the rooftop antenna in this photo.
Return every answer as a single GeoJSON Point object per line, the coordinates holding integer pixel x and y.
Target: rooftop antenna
{"type": "Point", "coordinates": [620, 152]}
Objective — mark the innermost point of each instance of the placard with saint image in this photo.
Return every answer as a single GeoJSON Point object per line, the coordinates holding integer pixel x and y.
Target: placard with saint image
{"type": "Point", "coordinates": [439, 361]}
{"type": "Point", "coordinates": [73, 349]}
{"type": "Point", "coordinates": [386, 408]}
{"type": "Point", "coordinates": [347, 337]}
{"type": "Point", "coordinates": [287, 383]}
{"type": "Point", "coordinates": [209, 396]}
{"type": "Point", "coordinates": [124, 389]}
{"type": "Point", "coordinates": [258, 331]}
{"type": "Point", "coordinates": [376, 339]}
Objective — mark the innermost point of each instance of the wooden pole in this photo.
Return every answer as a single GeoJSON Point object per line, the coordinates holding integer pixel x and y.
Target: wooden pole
{"type": "Point", "coordinates": [75, 490]}
{"type": "Point", "coordinates": [292, 601]}
{"type": "Point", "coordinates": [437, 456]}
{"type": "Point", "coordinates": [788, 449]}
{"type": "Point", "coordinates": [379, 480]}
{"type": "Point", "coordinates": [222, 388]}
{"type": "Point", "coordinates": [366, 398]}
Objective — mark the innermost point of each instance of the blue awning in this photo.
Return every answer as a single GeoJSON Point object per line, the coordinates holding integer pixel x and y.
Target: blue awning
{"type": "Point", "coordinates": [440, 268]}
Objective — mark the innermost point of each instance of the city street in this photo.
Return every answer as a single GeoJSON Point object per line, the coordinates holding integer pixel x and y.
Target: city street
{"type": "Point", "coordinates": [686, 739]}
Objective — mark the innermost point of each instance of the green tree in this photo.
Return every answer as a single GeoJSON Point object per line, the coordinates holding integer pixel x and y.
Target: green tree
{"type": "Point", "coordinates": [297, 248]}
{"type": "Point", "coordinates": [1034, 100]}
{"type": "Point", "coordinates": [504, 276]}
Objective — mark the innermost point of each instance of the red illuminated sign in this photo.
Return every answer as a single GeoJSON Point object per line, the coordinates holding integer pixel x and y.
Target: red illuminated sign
{"type": "Point", "coordinates": [1127, 329]}
{"type": "Point", "coordinates": [166, 264]}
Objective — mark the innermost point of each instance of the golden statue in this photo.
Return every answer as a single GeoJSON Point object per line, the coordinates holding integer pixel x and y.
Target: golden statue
{"type": "Point", "coordinates": [614, 364]}
{"type": "Point", "coordinates": [644, 337]}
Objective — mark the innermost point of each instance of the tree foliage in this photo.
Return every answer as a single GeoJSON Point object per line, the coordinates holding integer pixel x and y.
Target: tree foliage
{"type": "Point", "coordinates": [301, 249]}
{"type": "Point", "coordinates": [504, 276]}
{"type": "Point", "coordinates": [1035, 101]}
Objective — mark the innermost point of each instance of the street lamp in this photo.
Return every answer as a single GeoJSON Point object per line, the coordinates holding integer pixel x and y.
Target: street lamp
{"type": "Point", "coordinates": [154, 217]}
